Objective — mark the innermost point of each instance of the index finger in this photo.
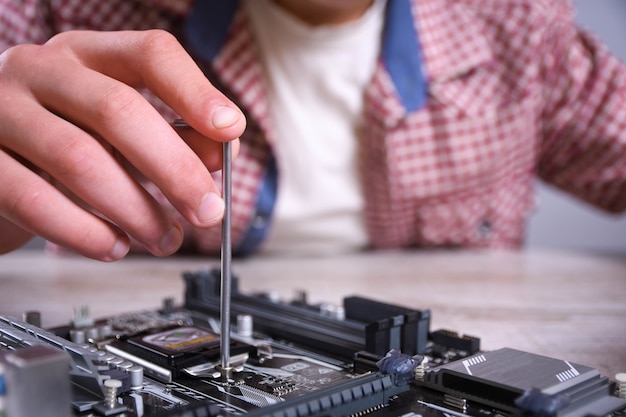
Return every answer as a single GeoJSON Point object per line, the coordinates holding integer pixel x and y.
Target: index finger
{"type": "Point", "coordinates": [156, 60]}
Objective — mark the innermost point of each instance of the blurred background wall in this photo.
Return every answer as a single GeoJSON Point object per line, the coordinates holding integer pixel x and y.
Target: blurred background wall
{"type": "Point", "coordinates": [561, 221]}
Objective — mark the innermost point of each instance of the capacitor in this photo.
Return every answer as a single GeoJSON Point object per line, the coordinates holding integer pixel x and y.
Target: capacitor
{"type": "Point", "coordinates": [168, 306]}
{"type": "Point", "coordinates": [273, 296]}
{"type": "Point", "coordinates": [245, 325]}
{"type": "Point", "coordinates": [113, 363]}
{"type": "Point", "coordinates": [340, 313]}
{"type": "Point", "coordinates": [108, 357]}
{"type": "Point", "coordinates": [105, 331]}
{"type": "Point", "coordinates": [620, 378]}
{"type": "Point", "coordinates": [125, 365]}
{"type": "Point", "coordinates": [78, 336]}
{"type": "Point", "coordinates": [32, 317]}
{"type": "Point", "coordinates": [331, 310]}
{"type": "Point", "coordinates": [301, 297]}
{"type": "Point", "coordinates": [136, 377]}
{"type": "Point", "coordinates": [92, 333]}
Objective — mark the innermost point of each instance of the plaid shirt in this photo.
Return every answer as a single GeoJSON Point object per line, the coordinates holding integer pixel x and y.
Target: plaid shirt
{"type": "Point", "coordinates": [515, 92]}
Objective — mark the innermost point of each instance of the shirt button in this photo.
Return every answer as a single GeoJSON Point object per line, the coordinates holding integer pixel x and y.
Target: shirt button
{"type": "Point", "coordinates": [259, 221]}
{"type": "Point", "coordinates": [485, 229]}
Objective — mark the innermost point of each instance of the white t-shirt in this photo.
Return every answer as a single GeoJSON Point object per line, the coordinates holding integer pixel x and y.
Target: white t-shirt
{"type": "Point", "coordinates": [316, 78]}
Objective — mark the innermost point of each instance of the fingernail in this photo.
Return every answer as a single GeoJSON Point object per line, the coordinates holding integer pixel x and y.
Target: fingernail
{"type": "Point", "coordinates": [171, 241]}
{"type": "Point", "coordinates": [225, 116]}
{"type": "Point", "coordinates": [120, 249]}
{"type": "Point", "coordinates": [211, 209]}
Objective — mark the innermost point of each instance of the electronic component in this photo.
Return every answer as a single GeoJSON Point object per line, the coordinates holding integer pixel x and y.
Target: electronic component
{"type": "Point", "coordinates": [513, 380]}
{"type": "Point", "coordinates": [289, 359]}
{"type": "Point", "coordinates": [365, 324]}
{"type": "Point", "coordinates": [168, 352]}
{"type": "Point", "coordinates": [35, 378]}
{"type": "Point", "coordinates": [389, 326]}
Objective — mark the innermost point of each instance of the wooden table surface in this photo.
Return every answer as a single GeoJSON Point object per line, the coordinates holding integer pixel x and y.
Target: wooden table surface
{"type": "Point", "coordinates": [566, 305]}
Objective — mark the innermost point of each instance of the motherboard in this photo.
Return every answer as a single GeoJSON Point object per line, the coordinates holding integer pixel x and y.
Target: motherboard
{"type": "Point", "coordinates": [289, 359]}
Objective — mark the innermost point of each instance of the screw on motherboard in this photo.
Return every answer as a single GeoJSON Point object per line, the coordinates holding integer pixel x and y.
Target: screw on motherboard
{"type": "Point", "coordinates": [110, 392]}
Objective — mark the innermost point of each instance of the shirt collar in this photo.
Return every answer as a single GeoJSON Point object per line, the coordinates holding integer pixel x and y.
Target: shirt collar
{"type": "Point", "coordinates": [207, 26]}
{"type": "Point", "coordinates": [402, 56]}
{"type": "Point", "coordinates": [208, 23]}
{"type": "Point", "coordinates": [446, 40]}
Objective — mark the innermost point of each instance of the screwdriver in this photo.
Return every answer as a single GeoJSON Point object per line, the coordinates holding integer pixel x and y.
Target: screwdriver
{"type": "Point", "coordinates": [226, 257]}
{"type": "Point", "coordinates": [226, 254]}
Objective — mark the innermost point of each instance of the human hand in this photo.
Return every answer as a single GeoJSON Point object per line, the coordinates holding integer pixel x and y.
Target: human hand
{"type": "Point", "coordinates": [74, 131]}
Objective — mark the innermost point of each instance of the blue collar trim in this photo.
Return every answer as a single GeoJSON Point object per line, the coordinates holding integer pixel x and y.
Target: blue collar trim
{"type": "Point", "coordinates": [207, 26]}
{"type": "Point", "coordinates": [402, 55]}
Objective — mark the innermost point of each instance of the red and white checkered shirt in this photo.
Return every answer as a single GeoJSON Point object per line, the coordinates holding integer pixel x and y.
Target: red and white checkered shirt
{"type": "Point", "coordinates": [515, 92]}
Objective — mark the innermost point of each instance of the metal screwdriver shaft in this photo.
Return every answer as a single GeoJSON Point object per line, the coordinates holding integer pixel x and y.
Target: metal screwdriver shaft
{"type": "Point", "coordinates": [226, 260]}
{"type": "Point", "coordinates": [226, 278]}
